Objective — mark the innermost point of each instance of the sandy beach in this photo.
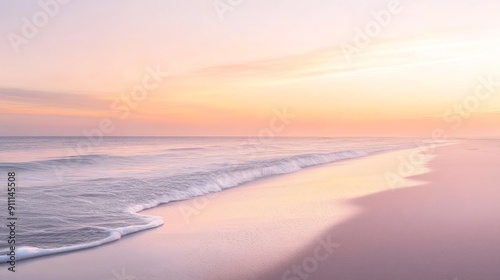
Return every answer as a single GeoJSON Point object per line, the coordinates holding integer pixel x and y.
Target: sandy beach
{"type": "Point", "coordinates": [338, 221]}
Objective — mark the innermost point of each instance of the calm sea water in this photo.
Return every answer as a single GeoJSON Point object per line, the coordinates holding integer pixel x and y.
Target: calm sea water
{"type": "Point", "coordinates": [76, 193]}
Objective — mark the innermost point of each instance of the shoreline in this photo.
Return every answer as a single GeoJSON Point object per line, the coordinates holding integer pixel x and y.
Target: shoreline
{"type": "Point", "coordinates": [261, 229]}
{"type": "Point", "coordinates": [178, 226]}
{"type": "Point", "coordinates": [156, 221]}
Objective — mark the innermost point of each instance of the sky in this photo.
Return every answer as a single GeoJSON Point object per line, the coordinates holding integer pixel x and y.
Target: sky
{"type": "Point", "coordinates": [328, 68]}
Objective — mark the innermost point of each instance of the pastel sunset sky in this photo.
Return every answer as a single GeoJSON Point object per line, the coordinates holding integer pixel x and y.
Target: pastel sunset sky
{"type": "Point", "coordinates": [230, 71]}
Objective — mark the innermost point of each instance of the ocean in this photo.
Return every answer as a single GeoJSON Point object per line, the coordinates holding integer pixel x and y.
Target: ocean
{"type": "Point", "coordinates": [75, 192]}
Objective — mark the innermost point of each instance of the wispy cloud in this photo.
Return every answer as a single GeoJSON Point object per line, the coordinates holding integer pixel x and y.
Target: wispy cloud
{"type": "Point", "coordinates": [49, 99]}
{"type": "Point", "coordinates": [393, 55]}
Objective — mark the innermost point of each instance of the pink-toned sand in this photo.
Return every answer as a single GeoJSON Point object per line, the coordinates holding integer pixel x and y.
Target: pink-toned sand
{"type": "Point", "coordinates": [340, 221]}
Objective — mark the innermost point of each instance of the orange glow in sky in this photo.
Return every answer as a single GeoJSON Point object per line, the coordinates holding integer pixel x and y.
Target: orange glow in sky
{"type": "Point", "coordinates": [427, 66]}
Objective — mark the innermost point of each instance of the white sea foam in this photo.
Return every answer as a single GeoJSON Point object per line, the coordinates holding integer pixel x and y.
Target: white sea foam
{"type": "Point", "coordinates": [26, 252]}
